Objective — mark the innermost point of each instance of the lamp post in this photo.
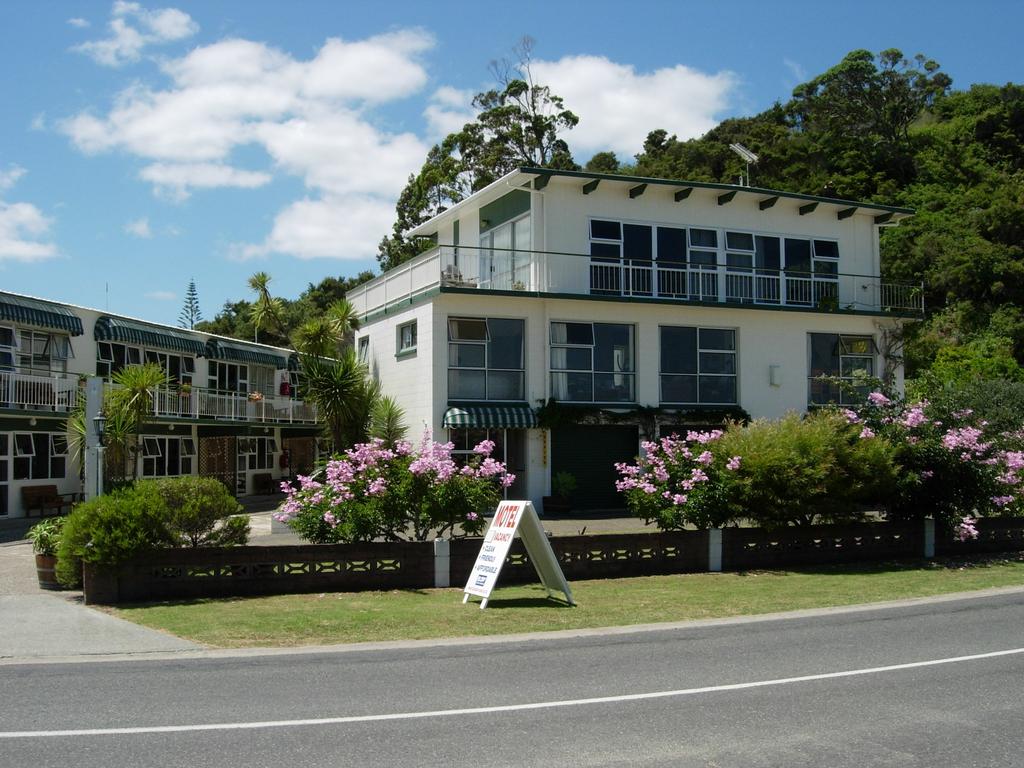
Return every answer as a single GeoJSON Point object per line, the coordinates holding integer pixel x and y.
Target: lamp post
{"type": "Point", "coordinates": [99, 423]}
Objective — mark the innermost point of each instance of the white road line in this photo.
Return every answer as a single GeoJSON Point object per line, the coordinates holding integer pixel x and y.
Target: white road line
{"type": "Point", "coordinates": [500, 708]}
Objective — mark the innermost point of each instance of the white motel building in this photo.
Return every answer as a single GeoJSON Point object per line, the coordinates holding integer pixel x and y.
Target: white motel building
{"type": "Point", "coordinates": [241, 418]}
{"type": "Point", "coordinates": [570, 315]}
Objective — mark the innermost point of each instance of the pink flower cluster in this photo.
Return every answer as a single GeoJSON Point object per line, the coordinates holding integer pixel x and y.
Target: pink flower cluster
{"type": "Point", "coordinates": [966, 529]}
{"type": "Point", "coordinates": [671, 467]}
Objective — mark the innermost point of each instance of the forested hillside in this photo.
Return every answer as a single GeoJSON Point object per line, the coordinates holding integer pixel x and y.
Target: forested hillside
{"type": "Point", "coordinates": [877, 128]}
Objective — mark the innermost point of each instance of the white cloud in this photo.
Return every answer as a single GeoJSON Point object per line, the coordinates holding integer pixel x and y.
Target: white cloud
{"type": "Point", "coordinates": [161, 295]}
{"type": "Point", "coordinates": [618, 106]}
{"type": "Point", "coordinates": [139, 228]}
{"type": "Point", "coordinates": [176, 180]}
{"type": "Point", "coordinates": [10, 177]}
{"type": "Point", "coordinates": [132, 28]}
{"type": "Point", "coordinates": [23, 233]}
{"type": "Point", "coordinates": [79, 23]}
{"type": "Point", "coordinates": [449, 110]}
{"type": "Point", "coordinates": [312, 117]}
{"type": "Point", "coordinates": [343, 227]}
{"type": "Point", "coordinates": [799, 73]}
{"type": "Point", "coordinates": [38, 122]}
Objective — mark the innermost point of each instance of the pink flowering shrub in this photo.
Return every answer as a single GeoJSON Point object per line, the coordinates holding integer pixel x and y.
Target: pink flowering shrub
{"type": "Point", "coordinates": [952, 465]}
{"type": "Point", "coordinates": [377, 492]}
{"type": "Point", "coordinates": [788, 471]}
{"type": "Point", "coordinates": [679, 482]}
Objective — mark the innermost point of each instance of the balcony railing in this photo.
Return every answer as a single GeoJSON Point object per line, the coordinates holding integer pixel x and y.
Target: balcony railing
{"type": "Point", "coordinates": [231, 406]}
{"type": "Point", "coordinates": [58, 393]}
{"type": "Point", "coordinates": [566, 273]}
{"type": "Point", "coordinates": [30, 392]}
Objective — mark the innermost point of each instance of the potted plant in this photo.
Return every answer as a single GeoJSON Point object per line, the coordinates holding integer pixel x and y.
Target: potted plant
{"type": "Point", "coordinates": [45, 538]}
{"type": "Point", "coordinates": [185, 389]}
{"type": "Point", "coordinates": [562, 486]}
{"type": "Point", "coordinates": [255, 397]}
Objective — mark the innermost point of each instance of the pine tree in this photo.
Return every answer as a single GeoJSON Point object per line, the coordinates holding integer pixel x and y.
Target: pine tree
{"type": "Point", "coordinates": [190, 312]}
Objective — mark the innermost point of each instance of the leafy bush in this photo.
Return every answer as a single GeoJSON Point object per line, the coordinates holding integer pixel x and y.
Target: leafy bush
{"type": "Point", "coordinates": [563, 484]}
{"type": "Point", "coordinates": [377, 492]}
{"type": "Point", "coordinates": [789, 471]}
{"type": "Point", "coordinates": [818, 469]}
{"type": "Point", "coordinates": [952, 465]}
{"type": "Point", "coordinates": [152, 514]}
{"type": "Point", "coordinates": [45, 535]}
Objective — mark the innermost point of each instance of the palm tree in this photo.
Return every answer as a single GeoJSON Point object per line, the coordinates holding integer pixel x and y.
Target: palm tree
{"type": "Point", "coordinates": [388, 420]}
{"type": "Point", "coordinates": [343, 317]}
{"type": "Point", "coordinates": [133, 397]}
{"type": "Point", "coordinates": [343, 394]}
{"type": "Point", "coordinates": [266, 307]}
{"type": "Point", "coordinates": [317, 337]}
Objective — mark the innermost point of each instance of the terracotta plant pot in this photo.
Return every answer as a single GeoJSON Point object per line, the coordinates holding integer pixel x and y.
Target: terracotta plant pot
{"type": "Point", "coordinates": [46, 571]}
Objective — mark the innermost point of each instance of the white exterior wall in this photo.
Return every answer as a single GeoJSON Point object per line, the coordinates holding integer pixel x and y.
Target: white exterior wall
{"type": "Point", "coordinates": [410, 379]}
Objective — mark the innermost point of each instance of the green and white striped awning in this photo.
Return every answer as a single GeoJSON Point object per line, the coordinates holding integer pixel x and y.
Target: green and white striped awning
{"type": "Point", "coordinates": [238, 352]}
{"type": "Point", "coordinates": [133, 332]}
{"type": "Point", "coordinates": [490, 416]}
{"type": "Point", "coordinates": [22, 309]}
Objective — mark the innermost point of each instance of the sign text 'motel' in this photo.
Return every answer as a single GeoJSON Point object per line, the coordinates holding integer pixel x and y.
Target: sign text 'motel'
{"type": "Point", "coordinates": [510, 518]}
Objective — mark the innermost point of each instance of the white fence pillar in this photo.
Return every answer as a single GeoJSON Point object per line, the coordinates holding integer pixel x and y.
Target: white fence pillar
{"type": "Point", "coordinates": [929, 537]}
{"type": "Point", "coordinates": [715, 550]}
{"type": "Point", "coordinates": [442, 563]}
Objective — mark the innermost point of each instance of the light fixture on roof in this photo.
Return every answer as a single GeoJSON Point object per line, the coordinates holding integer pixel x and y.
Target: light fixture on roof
{"type": "Point", "coordinates": [746, 155]}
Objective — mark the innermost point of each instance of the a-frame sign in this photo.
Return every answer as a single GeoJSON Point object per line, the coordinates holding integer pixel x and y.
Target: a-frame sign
{"type": "Point", "coordinates": [510, 518]}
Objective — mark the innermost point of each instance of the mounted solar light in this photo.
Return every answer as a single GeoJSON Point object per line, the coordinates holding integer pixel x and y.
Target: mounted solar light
{"type": "Point", "coordinates": [99, 423]}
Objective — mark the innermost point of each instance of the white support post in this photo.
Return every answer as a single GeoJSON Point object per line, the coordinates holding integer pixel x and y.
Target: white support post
{"type": "Point", "coordinates": [442, 563]}
{"type": "Point", "coordinates": [715, 550]}
{"type": "Point", "coordinates": [93, 451]}
{"type": "Point", "coordinates": [929, 537]}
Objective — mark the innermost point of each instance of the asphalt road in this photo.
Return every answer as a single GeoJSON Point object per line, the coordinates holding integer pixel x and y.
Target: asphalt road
{"type": "Point", "coordinates": [393, 708]}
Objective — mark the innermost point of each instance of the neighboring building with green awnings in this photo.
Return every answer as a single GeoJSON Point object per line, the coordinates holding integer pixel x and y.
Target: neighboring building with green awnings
{"type": "Point", "coordinates": [238, 352]}
{"type": "Point", "coordinates": [133, 332]}
{"type": "Point", "coordinates": [491, 417]}
{"type": "Point", "coordinates": [22, 309]}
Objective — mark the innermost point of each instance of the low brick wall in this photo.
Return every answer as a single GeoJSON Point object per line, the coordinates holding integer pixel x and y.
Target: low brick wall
{"type": "Point", "coordinates": [239, 571]}
{"type": "Point", "coordinates": [995, 534]}
{"type": "Point", "coordinates": [751, 548]}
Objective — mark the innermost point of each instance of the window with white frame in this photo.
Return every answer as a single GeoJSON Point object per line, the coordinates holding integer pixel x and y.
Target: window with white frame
{"type": "Point", "coordinates": [839, 358]}
{"type": "Point", "coordinates": [178, 368]}
{"type": "Point", "coordinates": [40, 455]}
{"type": "Point", "coordinates": [228, 377]}
{"type": "Point", "coordinates": [167, 456]}
{"type": "Point", "coordinates": [698, 365]}
{"type": "Point", "coordinates": [43, 353]}
{"type": "Point", "coordinates": [505, 255]}
{"type": "Point", "coordinates": [592, 362]}
{"type": "Point", "coordinates": [485, 359]}
{"type": "Point", "coordinates": [111, 357]}
{"type": "Point", "coordinates": [8, 347]}
{"type": "Point", "coordinates": [406, 338]}
{"type": "Point", "coordinates": [364, 349]}
{"type": "Point", "coordinates": [256, 453]}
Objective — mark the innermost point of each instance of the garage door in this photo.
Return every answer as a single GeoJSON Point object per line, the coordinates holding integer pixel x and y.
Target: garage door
{"type": "Point", "coordinates": [590, 454]}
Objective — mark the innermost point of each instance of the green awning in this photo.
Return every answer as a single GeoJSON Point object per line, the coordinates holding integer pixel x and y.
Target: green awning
{"type": "Point", "coordinates": [217, 349]}
{"type": "Point", "coordinates": [21, 309]}
{"type": "Point", "coordinates": [491, 416]}
{"type": "Point", "coordinates": [132, 332]}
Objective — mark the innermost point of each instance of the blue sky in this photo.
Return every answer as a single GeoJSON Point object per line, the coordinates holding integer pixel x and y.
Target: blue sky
{"type": "Point", "coordinates": [145, 144]}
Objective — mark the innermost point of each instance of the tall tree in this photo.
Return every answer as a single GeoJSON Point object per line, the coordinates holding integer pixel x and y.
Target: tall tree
{"type": "Point", "coordinates": [190, 312]}
{"type": "Point", "coordinates": [520, 122]}
{"type": "Point", "coordinates": [267, 309]}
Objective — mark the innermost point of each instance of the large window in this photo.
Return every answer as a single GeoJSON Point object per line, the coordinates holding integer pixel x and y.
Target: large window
{"type": "Point", "coordinates": [698, 365]}
{"type": "Point", "coordinates": [840, 357]}
{"type": "Point", "coordinates": [485, 359]}
{"type": "Point", "coordinates": [509, 447]}
{"type": "Point", "coordinates": [505, 256]}
{"type": "Point", "coordinates": [111, 357]}
{"type": "Point", "coordinates": [178, 368]}
{"type": "Point", "coordinates": [407, 338]}
{"type": "Point", "coordinates": [256, 453]}
{"type": "Point", "coordinates": [592, 362]}
{"type": "Point", "coordinates": [167, 456]}
{"type": "Point", "coordinates": [39, 455]}
{"type": "Point", "coordinates": [43, 353]}
{"type": "Point", "coordinates": [228, 377]}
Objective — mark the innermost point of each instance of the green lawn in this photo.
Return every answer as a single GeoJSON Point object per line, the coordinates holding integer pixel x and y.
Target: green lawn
{"type": "Point", "coordinates": [291, 620]}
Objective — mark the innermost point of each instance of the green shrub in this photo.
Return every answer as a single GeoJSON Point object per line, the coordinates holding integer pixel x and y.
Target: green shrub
{"type": "Point", "coordinates": [152, 514]}
{"type": "Point", "coordinates": [45, 535]}
{"type": "Point", "coordinates": [801, 471]}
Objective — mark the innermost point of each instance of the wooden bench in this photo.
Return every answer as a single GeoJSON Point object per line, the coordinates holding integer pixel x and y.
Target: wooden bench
{"type": "Point", "coordinates": [45, 500]}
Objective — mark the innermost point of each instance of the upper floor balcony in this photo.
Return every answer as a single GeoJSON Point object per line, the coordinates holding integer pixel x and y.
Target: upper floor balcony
{"type": "Point", "coordinates": [59, 393]}
{"type": "Point", "coordinates": [570, 274]}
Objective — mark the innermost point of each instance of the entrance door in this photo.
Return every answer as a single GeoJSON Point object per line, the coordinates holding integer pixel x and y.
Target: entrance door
{"type": "Point", "coordinates": [589, 453]}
